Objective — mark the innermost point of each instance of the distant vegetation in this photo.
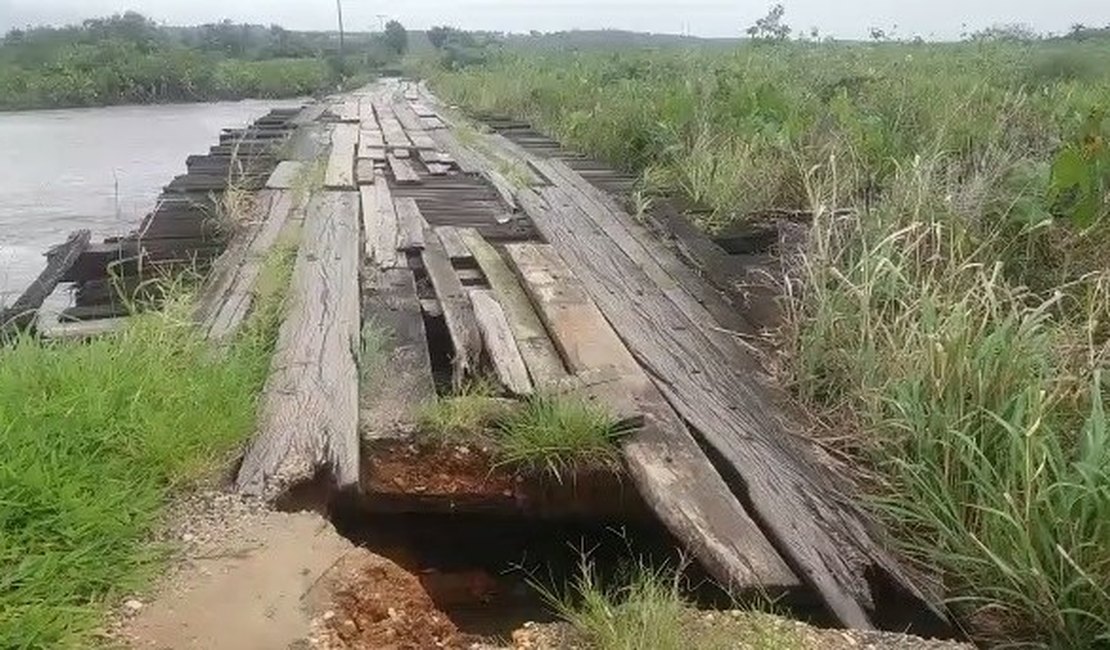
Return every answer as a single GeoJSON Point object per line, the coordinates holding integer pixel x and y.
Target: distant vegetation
{"type": "Point", "coordinates": [130, 59]}
{"type": "Point", "coordinates": [949, 316]}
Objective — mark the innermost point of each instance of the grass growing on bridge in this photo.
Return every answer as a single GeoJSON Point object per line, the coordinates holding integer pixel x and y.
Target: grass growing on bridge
{"type": "Point", "coordinates": [93, 437]}
{"type": "Point", "coordinates": [954, 321]}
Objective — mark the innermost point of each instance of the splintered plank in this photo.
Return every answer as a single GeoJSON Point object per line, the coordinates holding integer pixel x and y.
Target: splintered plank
{"type": "Point", "coordinates": [393, 330]}
{"type": "Point", "coordinates": [410, 225]}
{"type": "Point", "coordinates": [462, 325]}
{"type": "Point", "coordinates": [539, 354]}
{"type": "Point", "coordinates": [379, 220]}
{"type": "Point", "coordinates": [403, 172]}
{"type": "Point", "coordinates": [340, 172]}
{"type": "Point", "coordinates": [671, 472]}
{"type": "Point", "coordinates": [364, 171]}
{"type": "Point", "coordinates": [828, 539]}
{"type": "Point", "coordinates": [22, 313]}
{"type": "Point", "coordinates": [285, 175]}
{"type": "Point", "coordinates": [452, 242]}
{"type": "Point", "coordinates": [500, 344]}
{"type": "Point", "coordinates": [308, 417]}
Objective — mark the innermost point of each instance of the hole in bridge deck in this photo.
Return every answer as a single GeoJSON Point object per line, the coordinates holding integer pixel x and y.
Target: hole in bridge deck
{"type": "Point", "coordinates": [481, 570]}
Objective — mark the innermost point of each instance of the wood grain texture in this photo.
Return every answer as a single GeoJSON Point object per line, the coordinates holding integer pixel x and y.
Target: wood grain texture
{"type": "Point", "coordinates": [800, 504]}
{"type": "Point", "coordinates": [22, 313]}
{"type": "Point", "coordinates": [403, 173]}
{"type": "Point", "coordinates": [379, 220]}
{"type": "Point", "coordinates": [539, 353]}
{"type": "Point", "coordinates": [399, 378]}
{"type": "Point", "coordinates": [410, 225]}
{"type": "Point", "coordinates": [453, 243]}
{"type": "Point", "coordinates": [365, 171]}
{"type": "Point", "coordinates": [234, 293]}
{"type": "Point", "coordinates": [308, 417]}
{"type": "Point", "coordinates": [466, 338]}
{"type": "Point", "coordinates": [670, 470]}
{"type": "Point", "coordinates": [340, 173]}
{"type": "Point", "coordinates": [500, 345]}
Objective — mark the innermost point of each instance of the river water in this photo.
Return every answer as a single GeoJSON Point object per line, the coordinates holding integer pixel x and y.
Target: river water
{"type": "Point", "coordinates": [95, 168]}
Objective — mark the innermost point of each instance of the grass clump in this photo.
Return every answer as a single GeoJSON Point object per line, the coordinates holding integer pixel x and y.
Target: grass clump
{"type": "Point", "coordinates": [558, 435]}
{"type": "Point", "coordinates": [463, 417]}
{"type": "Point", "coordinates": [93, 438]}
{"type": "Point", "coordinates": [647, 610]}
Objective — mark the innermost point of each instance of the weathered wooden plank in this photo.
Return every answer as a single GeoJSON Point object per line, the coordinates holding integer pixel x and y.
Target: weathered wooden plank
{"type": "Point", "coordinates": [453, 243]}
{"type": "Point", "coordinates": [410, 225]}
{"type": "Point", "coordinates": [421, 109]}
{"type": "Point", "coordinates": [501, 347]}
{"type": "Point", "coordinates": [409, 120]}
{"type": "Point", "coordinates": [371, 145]}
{"type": "Point", "coordinates": [466, 338]}
{"type": "Point", "coordinates": [309, 413]}
{"type": "Point", "coordinates": [399, 379]}
{"type": "Point", "coordinates": [421, 140]}
{"type": "Point", "coordinates": [403, 173]}
{"type": "Point", "coordinates": [827, 539]}
{"type": "Point", "coordinates": [543, 362]}
{"type": "Point", "coordinates": [22, 313]}
{"type": "Point", "coordinates": [285, 175]}
{"type": "Point", "coordinates": [340, 173]}
{"type": "Point", "coordinates": [364, 171]}
{"type": "Point", "coordinates": [235, 274]}
{"type": "Point", "coordinates": [347, 110]}
{"type": "Point", "coordinates": [392, 130]}
{"type": "Point", "coordinates": [432, 123]}
{"type": "Point", "coordinates": [379, 219]}
{"type": "Point", "coordinates": [437, 169]}
{"type": "Point", "coordinates": [400, 153]}
{"type": "Point", "coordinates": [670, 470]}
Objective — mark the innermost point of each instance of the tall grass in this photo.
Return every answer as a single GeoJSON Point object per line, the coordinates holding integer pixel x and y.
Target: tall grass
{"type": "Point", "coordinates": [93, 437]}
{"type": "Point", "coordinates": [950, 310]}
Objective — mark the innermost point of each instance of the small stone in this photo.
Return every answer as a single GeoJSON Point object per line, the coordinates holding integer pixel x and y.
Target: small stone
{"type": "Point", "coordinates": [392, 613]}
{"type": "Point", "coordinates": [133, 605]}
{"type": "Point", "coordinates": [188, 538]}
{"type": "Point", "coordinates": [328, 615]}
{"type": "Point", "coordinates": [463, 451]}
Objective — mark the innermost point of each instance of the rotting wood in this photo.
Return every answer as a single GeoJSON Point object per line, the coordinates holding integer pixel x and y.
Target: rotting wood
{"type": "Point", "coordinates": [457, 310]}
{"type": "Point", "coordinates": [670, 470]}
{"type": "Point", "coordinates": [392, 130]}
{"type": "Point", "coordinates": [500, 345]}
{"type": "Point", "coordinates": [22, 313]}
{"type": "Point", "coordinates": [309, 412]}
{"type": "Point", "coordinates": [453, 243]}
{"type": "Point", "coordinates": [410, 225]}
{"type": "Point", "coordinates": [403, 172]}
{"type": "Point", "coordinates": [396, 370]}
{"type": "Point", "coordinates": [340, 172]}
{"type": "Point", "coordinates": [539, 354]}
{"type": "Point", "coordinates": [504, 189]}
{"type": "Point", "coordinates": [379, 218]}
{"type": "Point", "coordinates": [285, 175]}
{"type": "Point", "coordinates": [827, 539]}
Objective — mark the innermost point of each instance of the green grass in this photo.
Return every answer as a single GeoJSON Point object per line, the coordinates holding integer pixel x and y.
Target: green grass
{"type": "Point", "coordinates": [93, 438]}
{"type": "Point", "coordinates": [646, 609]}
{"type": "Point", "coordinates": [558, 435]}
{"type": "Point", "coordinates": [543, 434]}
{"type": "Point", "coordinates": [948, 317]}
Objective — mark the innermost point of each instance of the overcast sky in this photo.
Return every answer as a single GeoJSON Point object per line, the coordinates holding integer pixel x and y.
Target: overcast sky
{"type": "Point", "coordinates": [844, 18]}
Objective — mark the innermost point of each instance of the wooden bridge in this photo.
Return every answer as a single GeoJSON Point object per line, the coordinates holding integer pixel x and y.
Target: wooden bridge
{"type": "Point", "coordinates": [409, 214]}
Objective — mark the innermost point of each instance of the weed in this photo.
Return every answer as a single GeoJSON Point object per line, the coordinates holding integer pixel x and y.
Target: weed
{"type": "Point", "coordinates": [557, 435]}
{"type": "Point", "coordinates": [647, 610]}
{"type": "Point", "coordinates": [465, 416]}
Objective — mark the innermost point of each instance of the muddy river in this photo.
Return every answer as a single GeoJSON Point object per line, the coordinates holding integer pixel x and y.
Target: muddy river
{"type": "Point", "coordinates": [95, 168]}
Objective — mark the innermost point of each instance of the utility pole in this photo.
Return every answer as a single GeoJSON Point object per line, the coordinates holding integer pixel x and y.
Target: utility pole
{"type": "Point", "coordinates": [381, 21]}
{"type": "Point", "coordinates": [339, 11]}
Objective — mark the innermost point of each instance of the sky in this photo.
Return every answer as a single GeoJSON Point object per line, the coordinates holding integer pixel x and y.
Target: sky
{"type": "Point", "coordinates": [937, 19]}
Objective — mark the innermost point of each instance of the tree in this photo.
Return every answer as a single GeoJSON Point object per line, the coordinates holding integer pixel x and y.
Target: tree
{"type": "Point", "coordinates": [877, 34]}
{"type": "Point", "coordinates": [438, 36]}
{"type": "Point", "coordinates": [396, 38]}
{"type": "Point", "coordinates": [771, 27]}
{"type": "Point", "coordinates": [1010, 32]}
